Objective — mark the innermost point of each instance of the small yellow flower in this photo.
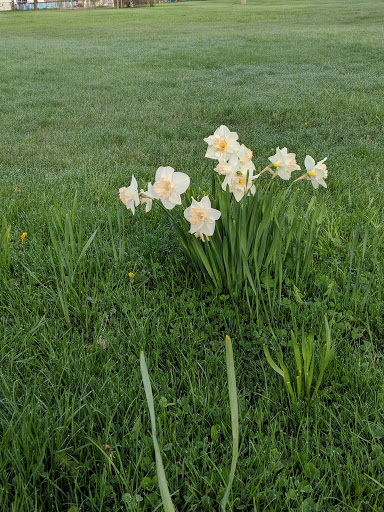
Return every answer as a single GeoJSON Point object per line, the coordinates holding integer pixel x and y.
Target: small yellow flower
{"type": "Point", "coordinates": [305, 124]}
{"type": "Point", "coordinates": [16, 189]}
{"type": "Point", "coordinates": [23, 237]}
{"type": "Point", "coordinates": [131, 275]}
{"type": "Point", "coordinates": [107, 447]}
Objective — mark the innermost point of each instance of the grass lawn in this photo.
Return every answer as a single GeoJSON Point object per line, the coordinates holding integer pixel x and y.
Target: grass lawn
{"type": "Point", "coordinates": [87, 98]}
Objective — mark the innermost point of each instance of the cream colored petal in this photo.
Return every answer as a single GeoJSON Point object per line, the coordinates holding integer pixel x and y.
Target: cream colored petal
{"type": "Point", "coordinates": [151, 191]}
{"type": "Point", "coordinates": [194, 228]}
{"type": "Point", "coordinates": [210, 140]}
{"type": "Point", "coordinates": [174, 197]}
{"type": "Point", "coordinates": [315, 184]}
{"type": "Point", "coordinates": [214, 214]}
{"type": "Point", "coordinates": [167, 204]}
{"type": "Point", "coordinates": [133, 183]}
{"type": "Point", "coordinates": [131, 206]}
{"type": "Point", "coordinates": [148, 204]}
{"type": "Point", "coordinates": [274, 159]}
{"type": "Point", "coordinates": [181, 181]}
{"type": "Point", "coordinates": [309, 163]}
{"type": "Point", "coordinates": [211, 153]}
{"type": "Point", "coordinates": [284, 174]}
{"type": "Point", "coordinates": [164, 172]}
{"type": "Point", "coordinates": [238, 194]}
{"type": "Point", "coordinates": [205, 202]}
{"type": "Point", "coordinates": [209, 228]}
{"type": "Point", "coordinates": [187, 213]}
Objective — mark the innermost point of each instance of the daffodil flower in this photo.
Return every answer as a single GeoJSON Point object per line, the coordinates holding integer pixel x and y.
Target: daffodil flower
{"type": "Point", "coordinates": [202, 217]}
{"type": "Point", "coordinates": [228, 167]}
{"type": "Point", "coordinates": [222, 144]}
{"type": "Point", "coordinates": [244, 154]}
{"type": "Point", "coordinates": [284, 163]}
{"type": "Point", "coordinates": [248, 167]}
{"type": "Point", "coordinates": [316, 173]}
{"type": "Point", "coordinates": [129, 195]}
{"type": "Point", "coordinates": [169, 185]}
{"type": "Point", "coordinates": [146, 197]}
{"type": "Point", "coordinates": [240, 183]}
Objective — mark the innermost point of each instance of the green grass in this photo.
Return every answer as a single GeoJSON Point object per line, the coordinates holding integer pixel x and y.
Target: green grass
{"type": "Point", "coordinates": [87, 99]}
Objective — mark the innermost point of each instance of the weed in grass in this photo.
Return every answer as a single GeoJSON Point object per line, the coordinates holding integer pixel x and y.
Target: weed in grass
{"type": "Point", "coordinates": [117, 236]}
{"type": "Point", "coordinates": [305, 359]}
{"type": "Point", "coordinates": [67, 255]}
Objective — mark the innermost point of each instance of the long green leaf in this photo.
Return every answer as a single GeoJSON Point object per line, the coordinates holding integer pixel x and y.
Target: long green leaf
{"type": "Point", "coordinates": [84, 250]}
{"type": "Point", "coordinates": [234, 416]}
{"type": "Point", "coordinates": [271, 361]}
{"type": "Point", "coordinates": [164, 491]}
{"type": "Point", "coordinates": [327, 356]}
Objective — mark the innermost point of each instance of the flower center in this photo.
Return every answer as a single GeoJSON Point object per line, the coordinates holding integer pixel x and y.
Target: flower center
{"type": "Point", "coordinates": [240, 182]}
{"type": "Point", "coordinates": [312, 173]}
{"type": "Point", "coordinates": [197, 215]}
{"type": "Point", "coordinates": [220, 144]}
{"type": "Point", "coordinates": [163, 188]}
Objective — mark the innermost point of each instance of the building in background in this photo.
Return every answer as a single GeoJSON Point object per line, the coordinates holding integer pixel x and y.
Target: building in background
{"type": "Point", "coordinates": [6, 5]}
{"type": "Point", "coordinates": [27, 5]}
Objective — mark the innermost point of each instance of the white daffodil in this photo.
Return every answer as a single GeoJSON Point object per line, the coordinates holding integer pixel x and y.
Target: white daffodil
{"type": "Point", "coordinates": [146, 197]}
{"type": "Point", "coordinates": [244, 170]}
{"type": "Point", "coordinates": [222, 144]}
{"type": "Point", "coordinates": [202, 217]}
{"type": "Point", "coordinates": [316, 173]}
{"type": "Point", "coordinates": [284, 162]}
{"type": "Point", "coordinates": [248, 167]}
{"type": "Point", "coordinates": [169, 185]}
{"type": "Point", "coordinates": [228, 167]}
{"type": "Point", "coordinates": [129, 195]}
{"type": "Point", "coordinates": [240, 184]}
{"type": "Point", "coordinates": [244, 154]}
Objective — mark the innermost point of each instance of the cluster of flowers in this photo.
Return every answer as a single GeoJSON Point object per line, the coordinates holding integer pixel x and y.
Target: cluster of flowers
{"type": "Point", "coordinates": [235, 163]}
{"type": "Point", "coordinates": [168, 187]}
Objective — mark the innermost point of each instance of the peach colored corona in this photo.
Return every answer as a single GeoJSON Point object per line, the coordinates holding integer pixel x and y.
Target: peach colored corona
{"type": "Point", "coordinates": [220, 144]}
{"type": "Point", "coordinates": [163, 188]}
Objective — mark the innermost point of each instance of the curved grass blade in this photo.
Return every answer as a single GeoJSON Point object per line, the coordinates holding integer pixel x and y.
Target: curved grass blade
{"type": "Point", "coordinates": [164, 491]}
{"type": "Point", "coordinates": [272, 362]}
{"type": "Point", "coordinates": [234, 417]}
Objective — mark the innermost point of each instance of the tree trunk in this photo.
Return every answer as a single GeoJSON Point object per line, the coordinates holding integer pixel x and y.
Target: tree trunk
{"type": "Point", "coordinates": [35, 5]}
